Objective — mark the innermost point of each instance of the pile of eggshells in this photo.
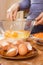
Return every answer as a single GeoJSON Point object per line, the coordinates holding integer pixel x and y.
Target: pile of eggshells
{"type": "Point", "coordinates": [13, 48]}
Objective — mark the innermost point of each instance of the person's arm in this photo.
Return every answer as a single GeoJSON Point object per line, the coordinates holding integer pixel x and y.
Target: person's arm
{"type": "Point", "coordinates": [12, 11]}
{"type": "Point", "coordinates": [24, 4]}
{"type": "Point", "coordinates": [39, 19]}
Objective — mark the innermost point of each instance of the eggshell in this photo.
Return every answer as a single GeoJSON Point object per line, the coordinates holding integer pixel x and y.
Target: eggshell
{"type": "Point", "coordinates": [12, 52]}
{"type": "Point", "coordinates": [16, 42]}
{"type": "Point", "coordinates": [28, 44]}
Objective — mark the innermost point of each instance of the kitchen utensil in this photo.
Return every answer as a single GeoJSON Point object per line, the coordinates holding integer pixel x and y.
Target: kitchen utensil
{"type": "Point", "coordinates": [32, 26]}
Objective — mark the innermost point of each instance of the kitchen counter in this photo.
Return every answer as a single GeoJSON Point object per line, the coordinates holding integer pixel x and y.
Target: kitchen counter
{"type": "Point", "coordinates": [38, 60]}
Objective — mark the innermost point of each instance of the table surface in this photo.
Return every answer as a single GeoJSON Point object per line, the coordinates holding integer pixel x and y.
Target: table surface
{"type": "Point", "coordinates": [38, 60]}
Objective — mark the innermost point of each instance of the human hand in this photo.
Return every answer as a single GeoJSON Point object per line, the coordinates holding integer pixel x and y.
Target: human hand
{"type": "Point", "coordinates": [12, 12]}
{"type": "Point", "coordinates": [39, 19]}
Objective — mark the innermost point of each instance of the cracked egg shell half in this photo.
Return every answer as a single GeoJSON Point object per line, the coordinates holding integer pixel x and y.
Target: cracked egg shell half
{"type": "Point", "coordinates": [12, 52]}
{"type": "Point", "coordinates": [29, 46]}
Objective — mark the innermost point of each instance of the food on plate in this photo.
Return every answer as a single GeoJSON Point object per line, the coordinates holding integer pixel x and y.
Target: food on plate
{"type": "Point", "coordinates": [2, 52]}
{"type": "Point", "coordinates": [4, 44]}
{"type": "Point", "coordinates": [28, 46]}
{"type": "Point", "coordinates": [3, 47]}
{"type": "Point", "coordinates": [22, 49]}
{"type": "Point", "coordinates": [38, 35]}
{"type": "Point", "coordinates": [11, 48]}
{"type": "Point", "coordinates": [12, 52]}
{"type": "Point", "coordinates": [16, 42]}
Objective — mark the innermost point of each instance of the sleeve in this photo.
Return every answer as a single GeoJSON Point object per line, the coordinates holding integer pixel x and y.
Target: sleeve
{"type": "Point", "coordinates": [25, 4]}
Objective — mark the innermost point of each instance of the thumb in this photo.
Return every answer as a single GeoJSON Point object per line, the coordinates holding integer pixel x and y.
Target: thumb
{"type": "Point", "coordinates": [39, 22]}
{"type": "Point", "coordinates": [15, 15]}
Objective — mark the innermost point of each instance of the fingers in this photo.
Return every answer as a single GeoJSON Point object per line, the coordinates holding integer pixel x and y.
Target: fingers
{"type": "Point", "coordinates": [11, 15]}
{"type": "Point", "coordinates": [8, 15]}
{"type": "Point", "coordinates": [39, 17]}
{"type": "Point", "coordinates": [39, 22]}
{"type": "Point", "coordinates": [14, 15]}
{"type": "Point", "coordinates": [12, 12]}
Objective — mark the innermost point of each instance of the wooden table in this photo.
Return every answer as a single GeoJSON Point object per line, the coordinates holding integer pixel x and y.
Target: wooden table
{"type": "Point", "coordinates": [38, 60]}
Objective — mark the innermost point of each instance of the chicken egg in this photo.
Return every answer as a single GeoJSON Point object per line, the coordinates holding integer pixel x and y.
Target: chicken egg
{"type": "Point", "coordinates": [22, 49]}
{"type": "Point", "coordinates": [18, 42]}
